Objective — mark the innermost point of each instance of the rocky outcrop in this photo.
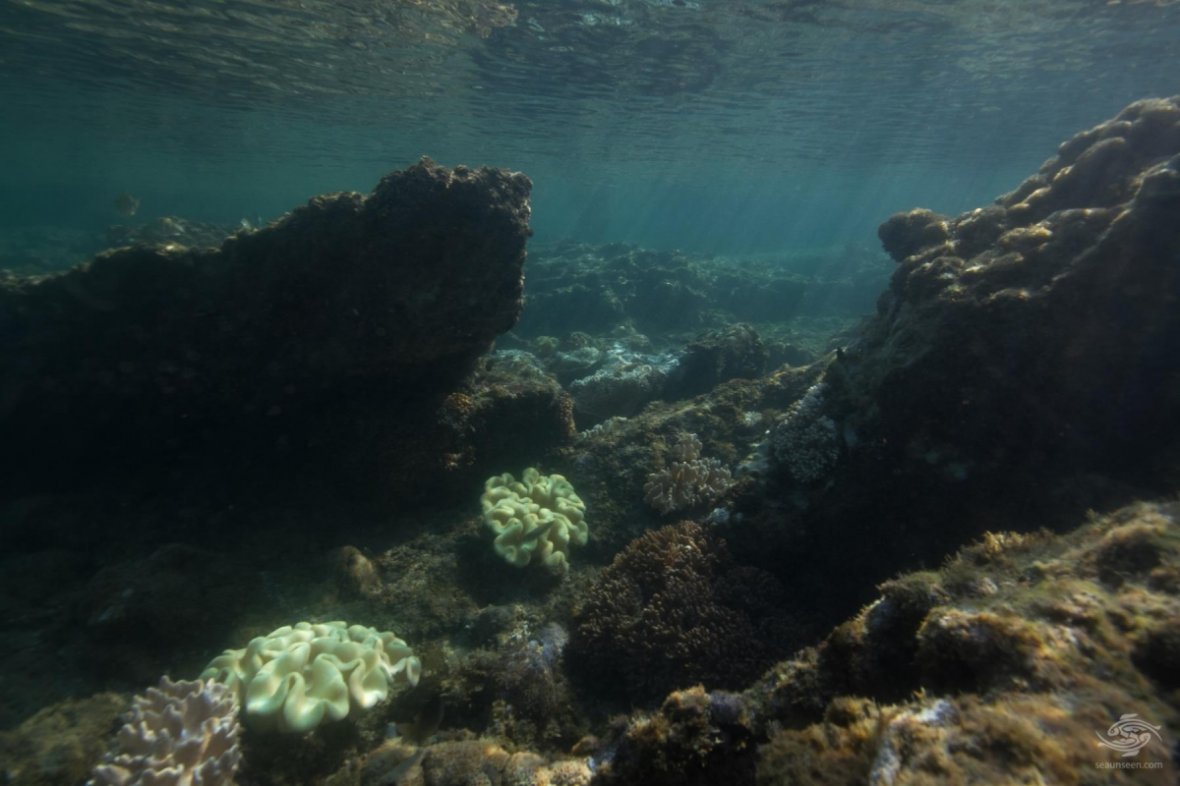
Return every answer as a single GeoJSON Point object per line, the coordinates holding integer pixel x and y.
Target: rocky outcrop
{"type": "Point", "coordinates": [349, 316]}
{"type": "Point", "coordinates": [1002, 667]}
{"type": "Point", "coordinates": [1022, 367]}
{"type": "Point", "coordinates": [1039, 331]}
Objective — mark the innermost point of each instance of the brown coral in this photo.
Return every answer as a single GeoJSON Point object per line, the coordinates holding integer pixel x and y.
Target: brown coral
{"type": "Point", "coordinates": [664, 615]}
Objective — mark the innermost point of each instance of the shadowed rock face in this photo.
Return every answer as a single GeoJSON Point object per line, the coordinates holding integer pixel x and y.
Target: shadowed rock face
{"type": "Point", "coordinates": [350, 311]}
{"type": "Point", "coordinates": [1040, 330]}
{"type": "Point", "coordinates": [1022, 366]}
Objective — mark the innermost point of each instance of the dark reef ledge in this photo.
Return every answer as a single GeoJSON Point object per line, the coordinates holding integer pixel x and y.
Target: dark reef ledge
{"type": "Point", "coordinates": [1040, 332]}
{"type": "Point", "coordinates": [348, 316]}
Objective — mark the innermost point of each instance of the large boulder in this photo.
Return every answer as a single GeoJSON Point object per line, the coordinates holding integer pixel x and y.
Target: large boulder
{"type": "Point", "coordinates": [1022, 367]}
{"type": "Point", "coordinates": [1039, 332]}
{"type": "Point", "coordinates": [336, 331]}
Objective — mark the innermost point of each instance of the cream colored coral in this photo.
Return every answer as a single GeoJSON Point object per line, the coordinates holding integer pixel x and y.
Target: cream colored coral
{"type": "Point", "coordinates": [535, 518]}
{"type": "Point", "coordinates": [688, 480]}
{"type": "Point", "coordinates": [179, 734]}
{"type": "Point", "coordinates": [297, 676]}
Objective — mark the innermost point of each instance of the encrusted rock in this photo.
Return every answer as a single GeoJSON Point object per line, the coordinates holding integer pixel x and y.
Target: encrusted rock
{"type": "Point", "coordinates": [344, 321]}
{"type": "Point", "coordinates": [717, 357]}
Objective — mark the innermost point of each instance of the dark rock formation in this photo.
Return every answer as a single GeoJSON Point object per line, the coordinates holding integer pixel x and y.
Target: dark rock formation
{"type": "Point", "coordinates": [331, 334]}
{"type": "Point", "coordinates": [1023, 360]}
{"type": "Point", "coordinates": [508, 413]}
{"type": "Point", "coordinates": [1042, 330]}
{"type": "Point", "coordinates": [696, 738]}
{"type": "Point", "coordinates": [138, 616]}
{"type": "Point", "coordinates": [715, 357]}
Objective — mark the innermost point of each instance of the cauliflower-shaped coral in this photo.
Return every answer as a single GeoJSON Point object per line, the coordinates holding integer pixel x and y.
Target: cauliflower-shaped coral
{"type": "Point", "coordinates": [294, 676]}
{"type": "Point", "coordinates": [537, 517]}
{"type": "Point", "coordinates": [805, 442]}
{"type": "Point", "coordinates": [179, 734]}
{"type": "Point", "coordinates": [688, 480]}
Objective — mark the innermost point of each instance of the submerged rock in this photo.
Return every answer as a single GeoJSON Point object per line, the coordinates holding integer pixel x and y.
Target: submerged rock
{"type": "Point", "coordinates": [1009, 665]}
{"type": "Point", "coordinates": [312, 339]}
{"type": "Point", "coordinates": [61, 743]}
{"type": "Point", "coordinates": [715, 357]}
{"type": "Point", "coordinates": [1023, 360]}
{"type": "Point", "coordinates": [1039, 331]}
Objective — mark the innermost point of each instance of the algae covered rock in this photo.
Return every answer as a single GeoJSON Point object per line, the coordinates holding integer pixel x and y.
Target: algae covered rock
{"type": "Point", "coordinates": [150, 356]}
{"type": "Point", "coordinates": [1023, 358]}
{"type": "Point", "coordinates": [59, 744]}
{"type": "Point", "coordinates": [300, 675]}
{"type": "Point", "coordinates": [535, 518]}
{"type": "Point", "coordinates": [1051, 314]}
{"type": "Point", "coordinates": [1024, 659]}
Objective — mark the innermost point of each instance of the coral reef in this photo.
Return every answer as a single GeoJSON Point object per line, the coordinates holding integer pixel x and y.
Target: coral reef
{"type": "Point", "coordinates": [1021, 368]}
{"type": "Point", "coordinates": [515, 687]}
{"type": "Point", "coordinates": [619, 390]}
{"type": "Point", "coordinates": [670, 611]}
{"type": "Point", "coordinates": [382, 301]}
{"type": "Point", "coordinates": [180, 733]}
{"type": "Point", "coordinates": [1018, 664]}
{"type": "Point", "coordinates": [300, 675]}
{"type": "Point", "coordinates": [688, 480]}
{"type": "Point", "coordinates": [508, 412]}
{"type": "Point", "coordinates": [538, 517]}
{"type": "Point", "coordinates": [696, 737]}
{"type": "Point", "coordinates": [1011, 664]}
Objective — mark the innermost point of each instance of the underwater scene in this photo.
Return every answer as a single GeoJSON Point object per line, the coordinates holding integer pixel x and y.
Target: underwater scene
{"type": "Point", "coordinates": [589, 392]}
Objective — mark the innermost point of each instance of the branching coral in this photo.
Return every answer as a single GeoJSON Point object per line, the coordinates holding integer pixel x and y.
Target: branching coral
{"type": "Point", "coordinates": [688, 480]}
{"type": "Point", "coordinates": [179, 734]}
